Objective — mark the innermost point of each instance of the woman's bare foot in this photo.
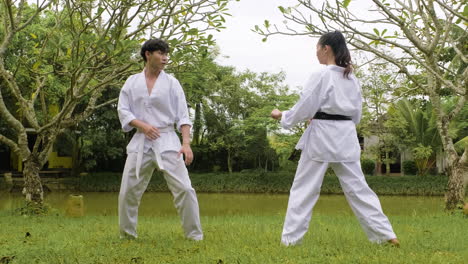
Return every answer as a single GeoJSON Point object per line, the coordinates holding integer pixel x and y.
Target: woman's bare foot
{"type": "Point", "coordinates": [394, 242]}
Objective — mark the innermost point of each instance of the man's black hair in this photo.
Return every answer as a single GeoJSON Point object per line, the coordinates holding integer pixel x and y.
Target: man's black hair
{"type": "Point", "coordinates": [154, 45]}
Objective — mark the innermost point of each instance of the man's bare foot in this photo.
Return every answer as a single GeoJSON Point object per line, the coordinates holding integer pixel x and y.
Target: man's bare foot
{"type": "Point", "coordinates": [394, 242]}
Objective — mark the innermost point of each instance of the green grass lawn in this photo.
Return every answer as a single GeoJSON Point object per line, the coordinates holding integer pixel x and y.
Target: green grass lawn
{"type": "Point", "coordinates": [437, 238]}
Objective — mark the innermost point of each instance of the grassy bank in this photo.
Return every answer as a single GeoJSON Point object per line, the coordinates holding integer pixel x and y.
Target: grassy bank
{"type": "Point", "coordinates": [279, 182]}
{"type": "Point", "coordinates": [437, 238]}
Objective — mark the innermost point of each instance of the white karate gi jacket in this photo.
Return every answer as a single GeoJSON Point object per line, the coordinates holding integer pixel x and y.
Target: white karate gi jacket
{"type": "Point", "coordinates": [165, 107]}
{"type": "Point", "coordinates": [328, 140]}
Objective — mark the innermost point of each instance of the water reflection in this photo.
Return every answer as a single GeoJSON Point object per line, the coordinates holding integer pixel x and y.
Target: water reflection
{"type": "Point", "coordinates": [213, 204]}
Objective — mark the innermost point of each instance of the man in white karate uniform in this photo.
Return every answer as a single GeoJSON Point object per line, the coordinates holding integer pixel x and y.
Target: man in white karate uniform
{"type": "Point", "coordinates": [153, 102]}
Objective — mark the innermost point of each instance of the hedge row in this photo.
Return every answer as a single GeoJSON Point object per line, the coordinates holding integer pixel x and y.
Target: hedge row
{"type": "Point", "coordinates": [278, 182]}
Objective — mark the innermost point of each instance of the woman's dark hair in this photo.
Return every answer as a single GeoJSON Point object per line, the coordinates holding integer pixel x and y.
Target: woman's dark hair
{"type": "Point", "coordinates": [337, 43]}
{"type": "Point", "coordinates": [154, 45]}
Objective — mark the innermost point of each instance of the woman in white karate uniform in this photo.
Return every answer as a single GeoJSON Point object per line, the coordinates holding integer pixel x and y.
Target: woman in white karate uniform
{"type": "Point", "coordinates": [332, 99]}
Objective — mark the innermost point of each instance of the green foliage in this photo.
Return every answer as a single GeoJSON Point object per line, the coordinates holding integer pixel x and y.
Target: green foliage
{"type": "Point", "coordinates": [378, 86]}
{"type": "Point", "coordinates": [284, 145]}
{"type": "Point", "coordinates": [461, 145]}
{"type": "Point", "coordinates": [459, 126]}
{"type": "Point", "coordinates": [101, 142]}
{"type": "Point", "coordinates": [409, 167]}
{"type": "Point", "coordinates": [433, 61]}
{"type": "Point", "coordinates": [33, 209]}
{"type": "Point", "coordinates": [414, 124]}
{"type": "Point", "coordinates": [346, 3]}
{"type": "Point", "coordinates": [422, 155]}
{"type": "Point", "coordinates": [368, 166]}
{"type": "Point", "coordinates": [231, 122]}
{"type": "Point", "coordinates": [420, 119]}
{"type": "Point", "coordinates": [63, 60]}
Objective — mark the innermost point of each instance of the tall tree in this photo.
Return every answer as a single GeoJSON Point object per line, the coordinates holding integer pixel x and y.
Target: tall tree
{"type": "Point", "coordinates": [236, 115]}
{"type": "Point", "coordinates": [231, 114]}
{"type": "Point", "coordinates": [68, 53]}
{"type": "Point", "coordinates": [425, 40]}
{"type": "Point", "coordinates": [378, 87]}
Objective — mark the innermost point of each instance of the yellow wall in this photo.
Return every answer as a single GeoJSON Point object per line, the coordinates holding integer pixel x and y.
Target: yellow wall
{"type": "Point", "coordinates": [55, 162]}
{"type": "Point", "coordinates": [15, 162]}
{"type": "Point", "coordinates": [53, 110]}
{"type": "Point", "coordinates": [59, 162]}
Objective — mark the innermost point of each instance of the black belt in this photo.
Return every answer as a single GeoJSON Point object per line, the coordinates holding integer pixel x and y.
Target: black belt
{"type": "Point", "coordinates": [325, 116]}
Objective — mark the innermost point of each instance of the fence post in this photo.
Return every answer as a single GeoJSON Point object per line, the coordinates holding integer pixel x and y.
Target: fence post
{"type": "Point", "coordinates": [8, 178]}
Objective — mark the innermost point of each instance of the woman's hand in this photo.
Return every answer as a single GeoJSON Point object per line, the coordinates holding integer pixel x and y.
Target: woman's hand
{"type": "Point", "coordinates": [276, 114]}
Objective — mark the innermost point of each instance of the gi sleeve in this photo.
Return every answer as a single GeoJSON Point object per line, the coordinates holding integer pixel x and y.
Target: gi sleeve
{"type": "Point", "coordinates": [182, 116]}
{"type": "Point", "coordinates": [308, 104]}
{"type": "Point", "coordinates": [124, 108]}
{"type": "Point", "coordinates": [356, 117]}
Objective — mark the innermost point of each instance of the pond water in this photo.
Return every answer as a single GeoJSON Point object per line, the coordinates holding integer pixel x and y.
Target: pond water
{"type": "Point", "coordinates": [214, 204]}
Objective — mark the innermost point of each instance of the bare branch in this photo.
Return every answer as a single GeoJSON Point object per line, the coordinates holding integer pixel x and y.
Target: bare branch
{"type": "Point", "coordinates": [463, 56]}
{"type": "Point", "coordinates": [13, 86]}
{"type": "Point", "coordinates": [454, 11]}
{"type": "Point", "coordinates": [412, 36]}
{"type": "Point", "coordinates": [168, 17]}
{"type": "Point", "coordinates": [403, 69]}
{"type": "Point", "coordinates": [459, 106]}
{"type": "Point", "coordinates": [44, 5]}
{"type": "Point", "coordinates": [47, 148]}
{"type": "Point", "coordinates": [10, 143]}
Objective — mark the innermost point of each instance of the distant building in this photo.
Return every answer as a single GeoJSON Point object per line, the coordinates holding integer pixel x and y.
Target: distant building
{"type": "Point", "coordinates": [59, 159]}
{"type": "Point", "coordinates": [400, 157]}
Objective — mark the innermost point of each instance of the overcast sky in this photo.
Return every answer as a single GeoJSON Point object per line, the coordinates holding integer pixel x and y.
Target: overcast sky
{"type": "Point", "coordinates": [295, 55]}
{"type": "Point", "coordinates": [244, 49]}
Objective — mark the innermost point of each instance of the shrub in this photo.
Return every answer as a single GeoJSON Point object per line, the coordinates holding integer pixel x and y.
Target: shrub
{"type": "Point", "coordinates": [368, 166]}
{"type": "Point", "coordinates": [272, 182]}
{"type": "Point", "coordinates": [409, 167]}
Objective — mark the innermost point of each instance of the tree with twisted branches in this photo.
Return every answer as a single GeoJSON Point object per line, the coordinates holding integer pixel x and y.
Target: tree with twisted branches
{"type": "Point", "coordinates": [426, 41]}
{"type": "Point", "coordinates": [67, 53]}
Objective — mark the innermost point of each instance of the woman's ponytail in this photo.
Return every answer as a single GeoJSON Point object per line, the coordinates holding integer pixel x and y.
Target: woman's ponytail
{"type": "Point", "coordinates": [337, 43]}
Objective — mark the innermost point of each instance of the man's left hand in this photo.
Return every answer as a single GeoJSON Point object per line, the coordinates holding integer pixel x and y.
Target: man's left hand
{"type": "Point", "coordinates": [187, 151]}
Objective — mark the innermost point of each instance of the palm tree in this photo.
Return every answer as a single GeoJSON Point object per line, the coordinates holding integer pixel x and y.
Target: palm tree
{"type": "Point", "coordinates": [421, 127]}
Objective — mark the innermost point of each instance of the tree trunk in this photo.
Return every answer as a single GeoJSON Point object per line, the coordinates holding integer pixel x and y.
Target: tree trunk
{"type": "Point", "coordinates": [455, 188]}
{"type": "Point", "coordinates": [378, 168]}
{"type": "Point", "coordinates": [76, 155]}
{"type": "Point", "coordinates": [457, 167]}
{"type": "Point", "coordinates": [458, 177]}
{"type": "Point", "coordinates": [229, 162]}
{"type": "Point", "coordinates": [32, 182]}
{"type": "Point", "coordinates": [197, 125]}
{"type": "Point", "coordinates": [387, 164]}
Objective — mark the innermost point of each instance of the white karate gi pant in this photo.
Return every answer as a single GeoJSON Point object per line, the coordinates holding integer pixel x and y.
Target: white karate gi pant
{"type": "Point", "coordinates": [305, 192]}
{"type": "Point", "coordinates": [178, 181]}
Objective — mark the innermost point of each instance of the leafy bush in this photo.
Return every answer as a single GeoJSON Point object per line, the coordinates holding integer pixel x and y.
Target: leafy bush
{"type": "Point", "coordinates": [34, 209]}
{"type": "Point", "coordinates": [368, 166]}
{"type": "Point", "coordinates": [272, 182]}
{"type": "Point", "coordinates": [409, 167]}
